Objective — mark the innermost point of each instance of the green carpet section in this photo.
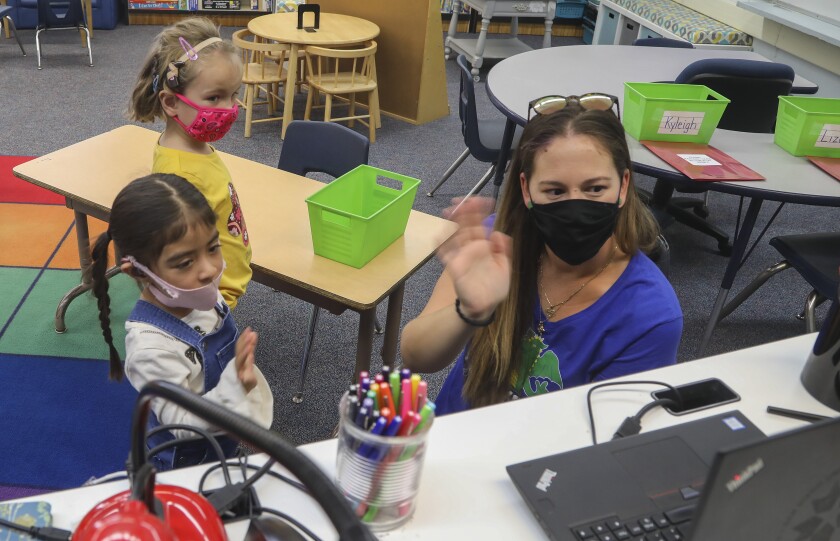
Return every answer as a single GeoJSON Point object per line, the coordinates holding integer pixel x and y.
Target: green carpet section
{"type": "Point", "coordinates": [32, 331]}
{"type": "Point", "coordinates": [13, 284]}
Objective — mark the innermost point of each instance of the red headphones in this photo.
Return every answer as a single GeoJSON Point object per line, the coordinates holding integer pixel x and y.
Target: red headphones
{"type": "Point", "coordinates": [150, 512]}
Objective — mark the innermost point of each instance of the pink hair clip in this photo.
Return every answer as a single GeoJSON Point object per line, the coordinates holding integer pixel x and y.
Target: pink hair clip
{"type": "Point", "coordinates": [188, 49]}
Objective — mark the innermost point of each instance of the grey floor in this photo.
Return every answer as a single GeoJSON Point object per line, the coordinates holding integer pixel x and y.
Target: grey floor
{"type": "Point", "coordinates": [68, 101]}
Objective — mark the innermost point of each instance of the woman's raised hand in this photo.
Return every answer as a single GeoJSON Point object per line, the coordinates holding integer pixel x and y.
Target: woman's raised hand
{"type": "Point", "coordinates": [478, 265]}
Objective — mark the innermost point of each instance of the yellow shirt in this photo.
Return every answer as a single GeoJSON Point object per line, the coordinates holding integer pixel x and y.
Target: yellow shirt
{"type": "Point", "coordinates": [208, 173]}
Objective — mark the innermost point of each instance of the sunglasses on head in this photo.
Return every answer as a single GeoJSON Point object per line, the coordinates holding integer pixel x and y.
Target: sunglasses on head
{"type": "Point", "coordinates": [593, 101]}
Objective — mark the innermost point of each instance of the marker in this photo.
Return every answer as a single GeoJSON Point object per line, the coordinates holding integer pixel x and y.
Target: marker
{"type": "Point", "coordinates": [405, 373]}
{"type": "Point", "coordinates": [371, 450]}
{"type": "Point", "coordinates": [372, 419]}
{"type": "Point", "coordinates": [415, 382]}
{"type": "Point", "coordinates": [422, 394]}
{"type": "Point", "coordinates": [800, 415]}
{"type": "Point", "coordinates": [378, 378]}
{"type": "Point", "coordinates": [405, 398]}
{"type": "Point", "coordinates": [387, 413]}
{"type": "Point", "coordinates": [364, 386]}
{"type": "Point", "coordinates": [394, 378]}
{"type": "Point", "coordinates": [386, 372]}
{"type": "Point", "coordinates": [394, 426]}
{"type": "Point", "coordinates": [364, 412]}
{"type": "Point", "coordinates": [374, 393]}
{"type": "Point", "coordinates": [364, 374]}
{"type": "Point", "coordinates": [388, 398]}
{"type": "Point", "coordinates": [426, 416]}
{"type": "Point", "coordinates": [411, 421]}
{"type": "Point", "coordinates": [352, 406]}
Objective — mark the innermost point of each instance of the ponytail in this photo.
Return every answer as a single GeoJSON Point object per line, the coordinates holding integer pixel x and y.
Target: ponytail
{"type": "Point", "coordinates": [97, 274]}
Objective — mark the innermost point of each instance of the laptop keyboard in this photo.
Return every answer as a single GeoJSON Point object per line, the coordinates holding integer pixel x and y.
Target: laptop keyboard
{"type": "Point", "coordinates": [673, 525]}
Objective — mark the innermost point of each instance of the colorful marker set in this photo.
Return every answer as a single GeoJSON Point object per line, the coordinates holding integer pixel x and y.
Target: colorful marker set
{"type": "Point", "coordinates": [390, 403]}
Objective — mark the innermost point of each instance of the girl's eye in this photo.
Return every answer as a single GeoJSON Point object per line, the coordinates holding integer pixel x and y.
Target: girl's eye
{"type": "Point", "coordinates": [183, 264]}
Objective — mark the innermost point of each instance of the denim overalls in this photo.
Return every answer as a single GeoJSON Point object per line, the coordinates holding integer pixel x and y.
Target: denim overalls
{"type": "Point", "coordinates": [214, 350]}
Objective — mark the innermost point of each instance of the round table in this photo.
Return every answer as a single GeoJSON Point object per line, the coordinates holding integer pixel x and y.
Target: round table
{"type": "Point", "coordinates": [334, 30]}
{"type": "Point", "coordinates": [578, 69]}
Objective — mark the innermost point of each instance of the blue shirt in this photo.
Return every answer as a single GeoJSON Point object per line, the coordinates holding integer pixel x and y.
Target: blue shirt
{"type": "Point", "coordinates": [635, 326]}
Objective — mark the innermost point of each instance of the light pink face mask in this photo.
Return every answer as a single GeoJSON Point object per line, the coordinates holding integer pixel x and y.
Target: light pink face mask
{"type": "Point", "coordinates": [201, 298]}
{"type": "Point", "coordinates": [210, 124]}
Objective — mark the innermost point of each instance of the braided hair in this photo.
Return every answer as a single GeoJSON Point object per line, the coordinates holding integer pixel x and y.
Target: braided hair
{"type": "Point", "coordinates": [147, 215]}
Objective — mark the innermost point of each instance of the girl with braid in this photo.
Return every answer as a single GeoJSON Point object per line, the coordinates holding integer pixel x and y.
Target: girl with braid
{"type": "Point", "coordinates": [180, 330]}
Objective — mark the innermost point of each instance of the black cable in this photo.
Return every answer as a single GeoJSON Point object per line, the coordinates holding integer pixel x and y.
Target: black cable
{"type": "Point", "coordinates": [633, 425]}
{"type": "Point", "coordinates": [47, 533]}
{"type": "Point", "coordinates": [309, 533]}
{"type": "Point", "coordinates": [201, 432]}
{"type": "Point", "coordinates": [613, 383]}
{"type": "Point", "coordinates": [296, 484]}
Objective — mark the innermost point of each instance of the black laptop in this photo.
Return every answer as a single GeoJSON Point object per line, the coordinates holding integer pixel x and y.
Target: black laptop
{"type": "Point", "coordinates": [714, 479]}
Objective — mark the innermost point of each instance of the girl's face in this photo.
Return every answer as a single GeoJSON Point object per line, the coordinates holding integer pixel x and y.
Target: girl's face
{"type": "Point", "coordinates": [574, 167]}
{"type": "Point", "coordinates": [192, 261]}
{"type": "Point", "coordinates": [216, 85]}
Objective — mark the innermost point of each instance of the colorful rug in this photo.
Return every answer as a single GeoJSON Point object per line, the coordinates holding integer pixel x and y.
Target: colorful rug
{"type": "Point", "coordinates": [62, 420]}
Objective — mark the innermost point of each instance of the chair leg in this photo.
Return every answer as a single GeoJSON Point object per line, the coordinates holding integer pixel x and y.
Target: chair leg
{"type": "Point", "coordinates": [373, 110]}
{"type": "Point", "coordinates": [352, 112]}
{"type": "Point", "coordinates": [455, 165]}
{"type": "Point", "coordinates": [297, 398]}
{"type": "Point", "coordinates": [328, 107]}
{"type": "Point", "coordinates": [814, 299]}
{"type": "Point", "coordinates": [38, 46]}
{"type": "Point", "coordinates": [479, 186]}
{"type": "Point", "coordinates": [250, 90]}
{"type": "Point", "coordinates": [90, 53]}
{"type": "Point", "coordinates": [377, 327]}
{"type": "Point", "coordinates": [752, 287]}
{"type": "Point", "coordinates": [10, 25]}
{"type": "Point", "coordinates": [309, 96]}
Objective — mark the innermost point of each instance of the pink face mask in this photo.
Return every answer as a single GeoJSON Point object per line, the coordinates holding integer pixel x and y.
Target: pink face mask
{"type": "Point", "coordinates": [210, 124]}
{"type": "Point", "coordinates": [200, 298]}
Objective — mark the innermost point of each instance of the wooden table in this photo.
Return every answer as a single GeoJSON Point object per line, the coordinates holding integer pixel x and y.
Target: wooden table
{"type": "Point", "coordinates": [335, 30]}
{"type": "Point", "coordinates": [89, 175]}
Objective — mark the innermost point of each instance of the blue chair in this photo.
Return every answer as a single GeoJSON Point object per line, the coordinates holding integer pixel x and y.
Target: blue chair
{"type": "Point", "coordinates": [104, 13]}
{"type": "Point", "coordinates": [816, 256]}
{"type": "Point", "coordinates": [663, 42]}
{"type": "Point", "coordinates": [60, 15]}
{"type": "Point", "coordinates": [753, 88]}
{"type": "Point", "coordinates": [482, 137]}
{"type": "Point", "coordinates": [6, 18]}
{"type": "Point", "coordinates": [319, 147]}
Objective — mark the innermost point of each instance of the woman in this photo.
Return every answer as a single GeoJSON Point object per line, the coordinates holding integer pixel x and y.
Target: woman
{"type": "Point", "coordinates": [561, 293]}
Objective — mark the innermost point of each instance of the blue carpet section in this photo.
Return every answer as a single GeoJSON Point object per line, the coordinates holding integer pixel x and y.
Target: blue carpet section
{"type": "Point", "coordinates": [69, 421]}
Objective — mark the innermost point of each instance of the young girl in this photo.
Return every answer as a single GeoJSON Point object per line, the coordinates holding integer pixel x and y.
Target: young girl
{"type": "Point", "coordinates": [561, 293]}
{"type": "Point", "coordinates": [190, 79]}
{"type": "Point", "coordinates": [180, 329]}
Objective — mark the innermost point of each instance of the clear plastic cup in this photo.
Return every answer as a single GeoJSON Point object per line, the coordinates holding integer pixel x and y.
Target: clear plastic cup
{"type": "Point", "coordinates": [379, 475]}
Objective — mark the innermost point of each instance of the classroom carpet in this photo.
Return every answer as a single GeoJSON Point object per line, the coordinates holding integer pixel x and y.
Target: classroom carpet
{"type": "Point", "coordinates": [62, 421]}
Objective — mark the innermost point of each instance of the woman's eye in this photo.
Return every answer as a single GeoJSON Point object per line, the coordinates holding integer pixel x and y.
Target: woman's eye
{"type": "Point", "coordinates": [556, 192]}
{"type": "Point", "coordinates": [597, 189]}
{"type": "Point", "coordinates": [215, 248]}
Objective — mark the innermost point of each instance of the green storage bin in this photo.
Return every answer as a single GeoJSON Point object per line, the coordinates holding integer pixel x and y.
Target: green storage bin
{"type": "Point", "coordinates": [808, 126]}
{"type": "Point", "coordinates": [355, 217]}
{"type": "Point", "coordinates": [697, 110]}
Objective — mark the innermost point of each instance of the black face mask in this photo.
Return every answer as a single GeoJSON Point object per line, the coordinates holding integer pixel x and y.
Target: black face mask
{"type": "Point", "coordinates": [575, 229]}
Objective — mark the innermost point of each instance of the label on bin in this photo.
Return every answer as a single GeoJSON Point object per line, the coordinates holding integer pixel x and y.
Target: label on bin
{"type": "Point", "coordinates": [829, 136]}
{"type": "Point", "coordinates": [681, 122]}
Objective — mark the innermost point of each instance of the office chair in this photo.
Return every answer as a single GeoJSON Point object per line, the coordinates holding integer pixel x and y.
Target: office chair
{"type": "Point", "coordinates": [816, 257]}
{"type": "Point", "coordinates": [320, 147]}
{"type": "Point", "coordinates": [663, 42]}
{"type": "Point", "coordinates": [482, 137]}
{"type": "Point", "coordinates": [61, 15]}
{"type": "Point", "coordinates": [6, 18]}
{"type": "Point", "coordinates": [753, 88]}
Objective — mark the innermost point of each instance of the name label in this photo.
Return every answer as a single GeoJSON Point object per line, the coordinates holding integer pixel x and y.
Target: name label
{"type": "Point", "coordinates": [680, 122]}
{"type": "Point", "coordinates": [829, 136]}
{"type": "Point", "coordinates": [699, 159]}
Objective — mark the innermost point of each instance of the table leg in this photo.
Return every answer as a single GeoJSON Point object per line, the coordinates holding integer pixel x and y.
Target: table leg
{"type": "Point", "coordinates": [549, 21]}
{"type": "Point", "coordinates": [453, 28]}
{"type": "Point", "coordinates": [83, 244]}
{"type": "Point", "coordinates": [364, 343]}
{"type": "Point", "coordinates": [478, 57]}
{"type": "Point", "coordinates": [501, 162]}
{"type": "Point", "coordinates": [288, 105]}
{"type": "Point", "coordinates": [392, 326]}
{"type": "Point", "coordinates": [735, 261]}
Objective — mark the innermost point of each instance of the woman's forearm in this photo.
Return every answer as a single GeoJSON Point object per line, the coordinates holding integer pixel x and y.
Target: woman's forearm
{"type": "Point", "coordinates": [433, 340]}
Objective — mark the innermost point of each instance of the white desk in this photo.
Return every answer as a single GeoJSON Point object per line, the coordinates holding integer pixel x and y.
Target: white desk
{"type": "Point", "coordinates": [465, 492]}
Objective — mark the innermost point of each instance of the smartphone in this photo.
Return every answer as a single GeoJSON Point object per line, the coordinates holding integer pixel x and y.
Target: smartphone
{"type": "Point", "coordinates": [698, 395]}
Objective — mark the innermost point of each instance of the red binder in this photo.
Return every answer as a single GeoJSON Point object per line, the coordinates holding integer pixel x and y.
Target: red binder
{"type": "Point", "coordinates": [829, 165]}
{"type": "Point", "coordinates": [701, 162]}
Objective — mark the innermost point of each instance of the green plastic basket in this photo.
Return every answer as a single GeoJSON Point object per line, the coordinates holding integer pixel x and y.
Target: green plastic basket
{"type": "Point", "coordinates": [355, 216]}
{"type": "Point", "coordinates": [671, 112]}
{"type": "Point", "coordinates": [808, 126]}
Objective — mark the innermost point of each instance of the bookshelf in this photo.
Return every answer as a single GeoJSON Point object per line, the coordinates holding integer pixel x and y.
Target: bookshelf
{"type": "Point", "coordinates": [223, 12]}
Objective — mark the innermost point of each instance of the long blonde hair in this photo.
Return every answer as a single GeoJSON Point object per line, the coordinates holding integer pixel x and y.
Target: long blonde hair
{"type": "Point", "coordinates": [495, 352]}
{"type": "Point", "coordinates": [166, 48]}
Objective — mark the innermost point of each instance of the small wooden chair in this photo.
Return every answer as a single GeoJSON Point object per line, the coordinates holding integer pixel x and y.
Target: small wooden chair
{"type": "Point", "coordinates": [260, 73]}
{"type": "Point", "coordinates": [344, 72]}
